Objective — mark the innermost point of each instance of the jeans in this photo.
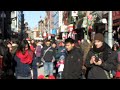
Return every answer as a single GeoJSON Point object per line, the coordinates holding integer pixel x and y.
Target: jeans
{"type": "Point", "coordinates": [48, 68]}
{"type": "Point", "coordinates": [60, 75]}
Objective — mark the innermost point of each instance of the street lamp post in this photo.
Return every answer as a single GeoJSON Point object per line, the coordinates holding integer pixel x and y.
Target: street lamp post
{"type": "Point", "coordinates": [110, 40]}
{"type": "Point", "coordinates": [3, 15]}
{"type": "Point", "coordinates": [22, 25]}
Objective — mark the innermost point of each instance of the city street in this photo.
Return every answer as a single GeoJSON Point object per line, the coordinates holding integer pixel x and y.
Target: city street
{"type": "Point", "coordinates": [64, 37]}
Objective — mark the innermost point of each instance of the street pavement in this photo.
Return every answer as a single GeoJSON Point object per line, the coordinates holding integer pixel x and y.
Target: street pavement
{"type": "Point", "coordinates": [40, 71]}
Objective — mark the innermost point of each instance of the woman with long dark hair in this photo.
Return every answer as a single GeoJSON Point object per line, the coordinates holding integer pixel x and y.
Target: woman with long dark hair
{"type": "Point", "coordinates": [8, 44]}
{"type": "Point", "coordinates": [23, 58]}
{"type": "Point", "coordinates": [5, 62]}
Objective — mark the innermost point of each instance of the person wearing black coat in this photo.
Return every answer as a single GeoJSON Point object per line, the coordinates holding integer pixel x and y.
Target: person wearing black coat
{"type": "Point", "coordinates": [73, 61]}
{"type": "Point", "coordinates": [100, 59]}
{"type": "Point", "coordinates": [48, 57]}
{"type": "Point", "coordinates": [5, 63]}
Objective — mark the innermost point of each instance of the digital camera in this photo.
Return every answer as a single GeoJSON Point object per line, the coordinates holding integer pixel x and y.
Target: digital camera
{"type": "Point", "coordinates": [96, 58]}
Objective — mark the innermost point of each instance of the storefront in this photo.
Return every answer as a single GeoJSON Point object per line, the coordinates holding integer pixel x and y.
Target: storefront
{"type": "Point", "coordinates": [116, 19]}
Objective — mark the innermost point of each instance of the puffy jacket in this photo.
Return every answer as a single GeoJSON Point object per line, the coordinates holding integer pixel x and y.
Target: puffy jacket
{"type": "Point", "coordinates": [73, 64]}
{"type": "Point", "coordinates": [49, 56]}
{"type": "Point", "coordinates": [108, 59]}
{"type": "Point", "coordinates": [61, 51]}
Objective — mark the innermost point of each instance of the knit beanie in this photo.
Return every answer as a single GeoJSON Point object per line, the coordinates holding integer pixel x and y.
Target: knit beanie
{"type": "Point", "coordinates": [99, 37]}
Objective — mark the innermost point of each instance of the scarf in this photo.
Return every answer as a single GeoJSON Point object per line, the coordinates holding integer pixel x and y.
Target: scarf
{"type": "Point", "coordinates": [25, 58]}
{"type": "Point", "coordinates": [103, 49]}
{"type": "Point", "coordinates": [98, 50]}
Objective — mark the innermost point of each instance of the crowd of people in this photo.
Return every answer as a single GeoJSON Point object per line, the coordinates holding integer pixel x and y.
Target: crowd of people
{"type": "Point", "coordinates": [70, 59]}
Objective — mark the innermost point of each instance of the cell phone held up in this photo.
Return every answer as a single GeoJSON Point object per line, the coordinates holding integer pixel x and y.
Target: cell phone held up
{"type": "Point", "coordinates": [96, 58]}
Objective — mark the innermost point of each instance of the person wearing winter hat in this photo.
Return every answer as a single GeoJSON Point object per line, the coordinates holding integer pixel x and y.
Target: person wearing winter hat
{"type": "Point", "coordinates": [100, 59]}
{"type": "Point", "coordinates": [99, 37]}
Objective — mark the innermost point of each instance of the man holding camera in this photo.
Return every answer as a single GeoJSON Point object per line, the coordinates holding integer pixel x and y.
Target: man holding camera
{"type": "Point", "coordinates": [100, 59]}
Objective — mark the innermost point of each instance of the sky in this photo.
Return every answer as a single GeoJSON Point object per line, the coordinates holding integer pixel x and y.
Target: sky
{"type": "Point", "coordinates": [33, 17]}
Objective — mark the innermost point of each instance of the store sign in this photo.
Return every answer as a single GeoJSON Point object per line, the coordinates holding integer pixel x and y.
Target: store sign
{"type": "Point", "coordinates": [116, 15]}
{"type": "Point", "coordinates": [64, 28]}
{"type": "Point", "coordinates": [70, 28]}
{"type": "Point", "coordinates": [54, 31]}
{"type": "Point", "coordinates": [74, 13]}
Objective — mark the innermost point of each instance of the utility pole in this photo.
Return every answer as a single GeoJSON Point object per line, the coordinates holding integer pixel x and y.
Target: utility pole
{"type": "Point", "coordinates": [22, 25]}
{"type": "Point", "coordinates": [3, 15]}
{"type": "Point", "coordinates": [3, 25]}
{"type": "Point", "coordinates": [110, 40]}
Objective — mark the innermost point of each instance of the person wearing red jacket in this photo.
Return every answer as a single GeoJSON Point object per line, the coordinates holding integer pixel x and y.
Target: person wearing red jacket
{"type": "Point", "coordinates": [34, 63]}
{"type": "Point", "coordinates": [23, 58]}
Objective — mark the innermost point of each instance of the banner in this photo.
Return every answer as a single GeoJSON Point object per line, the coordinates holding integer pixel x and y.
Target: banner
{"type": "Point", "coordinates": [74, 13]}
{"type": "Point", "coordinates": [54, 31]}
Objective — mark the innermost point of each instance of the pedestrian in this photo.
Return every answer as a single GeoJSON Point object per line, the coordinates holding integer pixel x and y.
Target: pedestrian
{"type": "Point", "coordinates": [60, 56]}
{"type": "Point", "coordinates": [54, 47]}
{"type": "Point", "coordinates": [116, 52]}
{"type": "Point", "coordinates": [61, 49]}
{"type": "Point", "coordinates": [38, 53]}
{"type": "Point", "coordinates": [100, 59]}
{"type": "Point", "coordinates": [47, 56]}
{"type": "Point", "coordinates": [5, 62]}
{"type": "Point", "coordinates": [60, 65]}
{"type": "Point", "coordinates": [115, 47]}
{"type": "Point", "coordinates": [73, 61]}
{"type": "Point", "coordinates": [23, 58]}
{"type": "Point", "coordinates": [34, 62]}
{"type": "Point", "coordinates": [117, 73]}
{"type": "Point", "coordinates": [33, 43]}
{"type": "Point", "coordinates": [9, 46]}
{"type": "Point", "coordinates": [85, 46]}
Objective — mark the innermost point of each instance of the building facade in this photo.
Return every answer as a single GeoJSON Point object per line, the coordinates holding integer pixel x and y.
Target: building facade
{"type": "Point", "coordinates": [41, 28]}
{"type": "Point", "coordinates": [16, 17]}
{"type": "Point", "coordinates": [50, 23]}
{"type": "Point", "coordinates": [56, 19]}
{"type": "Point", "coordinates": [5, 24]}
